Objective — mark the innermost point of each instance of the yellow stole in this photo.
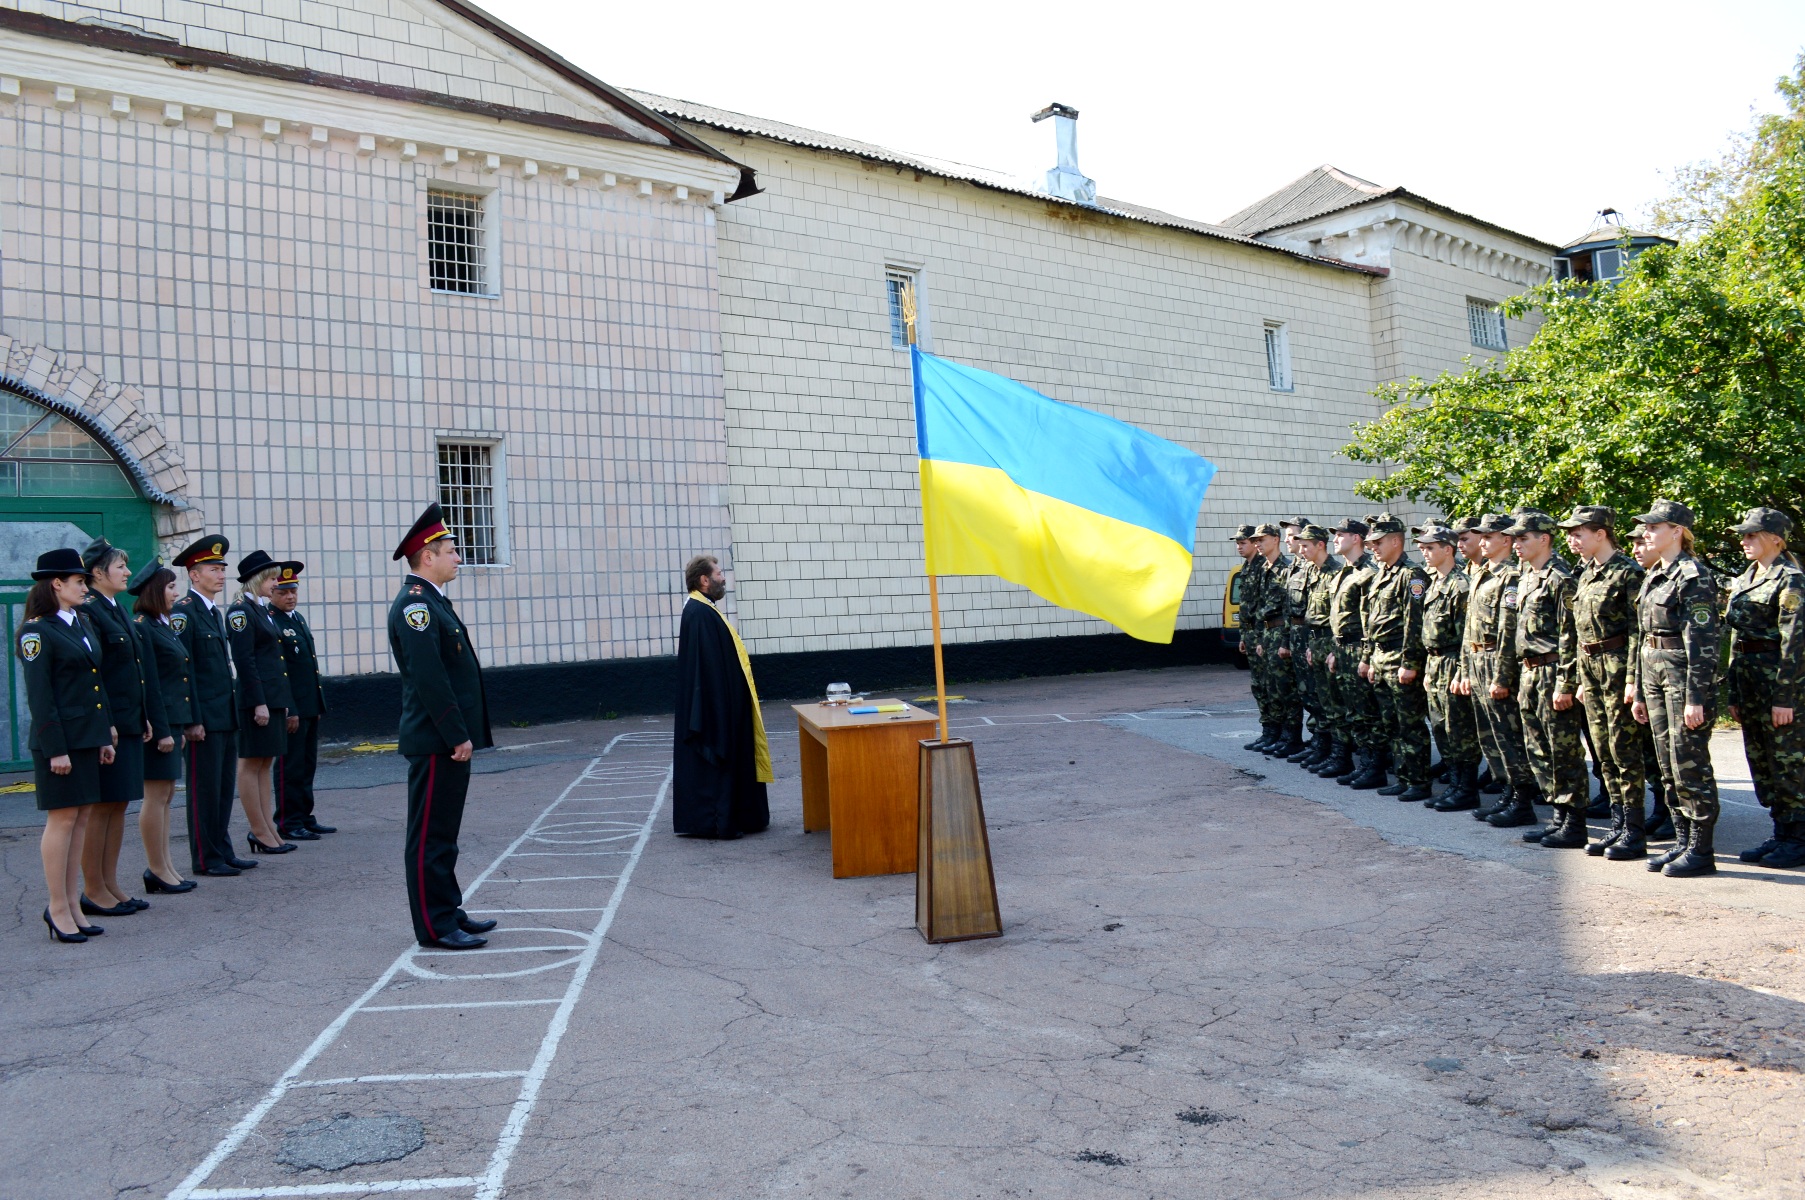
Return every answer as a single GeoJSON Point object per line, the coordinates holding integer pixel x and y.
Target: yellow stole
{"type": "Point", "coordinates": [761, 749]}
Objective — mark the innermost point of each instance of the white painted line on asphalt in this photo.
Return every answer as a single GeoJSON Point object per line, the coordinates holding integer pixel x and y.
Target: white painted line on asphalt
{"type": "Point", "coordinates": [335, 1189]}
{"type": "Point", "coordinates": [565, 854]}
{"type": "Point", "coordinates": [530, 910]}
{"type": "Point", "coordinates": [465, 1004]}
{"type": "Point", "coordinates": [493, 950]}
{"type": "Point", "coordinates": [414, 1078]}
{"type": "Point", "coordinates": [552, 879]}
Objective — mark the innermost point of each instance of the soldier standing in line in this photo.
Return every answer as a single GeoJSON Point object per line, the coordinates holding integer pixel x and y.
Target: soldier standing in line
{"type": "Point", "coordinates": [1291, 634]}
{"type": "Point", "coordinates": [1471, 562]}
{"type": "Point", "coordinates": [1394, 664]}
{"type": "Point", "coordinates": [1444, 631]}
{"type": "Point", "coordinates": [1358, 752]}
{"type": "Point", "coordinates": [1767, 667]}
{"type": "Point", "coordinates": [295, 769]}
{"type": "Point", "coordinates": [1676, 683]}
{"type": "Point", "coordinates": [1547, 654]}
{"type": "Point", "coordinates": [1275, 645]}
{"type": "Point", "coordinates": [1660, 821]}
{"type": "Point", "coordinates": [1310, 643]}
{"type": "Point", "coordinates": [1252, 583]}
{"type": "Point", "coordinates": [212, 764]}
{"type": "Point", "coordinates": [1488, 673]}
{"type": "Point", "coordinates": [1604, 623]}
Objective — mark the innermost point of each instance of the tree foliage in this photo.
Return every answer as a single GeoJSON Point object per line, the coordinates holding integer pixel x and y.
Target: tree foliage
{"type": "Point", "coordinates": [1684, 380]}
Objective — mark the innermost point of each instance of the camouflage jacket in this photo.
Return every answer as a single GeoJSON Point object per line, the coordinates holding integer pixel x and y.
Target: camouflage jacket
{"type": "Point", "coordinates": [1545, 620]}
{"type": "Point", "coordinates": [1347, 610]}
{"type": "Point", "coordinates": [1765, 605]}
{"type": "Point", "coordinates": [1253, 583]}
{"type": "Point", "coordinates": [1273, 594]}
{"type": "Point", "coordinates": [1604, 606]}
{"type": "Point", "coordinates": [1322, 592]}
{"type": "Point", "coordinates": [1679, 600]}
{"type": "Point", "coordinates": [1394, 617]}
{"type": "Point", "coordinates": [1297, 588]}
{"type": "Point", "coordinates": [1445, 612]}
{"type": "Point", "coordinates": [1492, 618]}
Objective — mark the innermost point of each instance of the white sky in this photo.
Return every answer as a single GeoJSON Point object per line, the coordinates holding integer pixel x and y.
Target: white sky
{"type": "Point", "coordinates": [1533, 115]}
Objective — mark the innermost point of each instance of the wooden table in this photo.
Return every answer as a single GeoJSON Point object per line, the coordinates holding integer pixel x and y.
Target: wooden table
{"type": "Point", "coordinates": [861, 779]}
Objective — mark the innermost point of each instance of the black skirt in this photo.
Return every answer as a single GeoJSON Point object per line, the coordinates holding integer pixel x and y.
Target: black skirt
{"type": "Point", "coordinates": [262, 741]}
{"type": "Point", "coordinates": [80, 786]}
{"type": "Point", "coordinates": [122, 780]}
{"type": "Point", "coordinates": [163, 766]}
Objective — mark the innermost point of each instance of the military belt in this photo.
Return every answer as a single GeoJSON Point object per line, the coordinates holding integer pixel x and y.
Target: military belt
{"type": "Point", "coordinates": [1540, 660]}
{"type": "Point", "coordinates": [1347, 641]}
{"type": "Point", "coordinates": [1661, 641]}
{"type": "Point", "coordinates": [1482, 645]}
{"type": "Point", "coordinates": [1274, 622]}
{"type": "Point", "coordinates": [1594, 649]}
{"type": "Point", "coordinates": [1444, 651]}
{"type": "Point", "coordinates": [1755, 646]}
{"type": "Point", "coordinates": [1390, 644]}
{"type": "Point", "coordinates": [1299, 621]}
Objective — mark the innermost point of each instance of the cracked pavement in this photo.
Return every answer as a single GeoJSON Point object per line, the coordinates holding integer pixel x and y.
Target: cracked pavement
{"type": "Point", "coordinates": [1209, 985]}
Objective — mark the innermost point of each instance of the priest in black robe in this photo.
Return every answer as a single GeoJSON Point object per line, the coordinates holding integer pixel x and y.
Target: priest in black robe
{"type": "Point", "coordinates": [722, 759]}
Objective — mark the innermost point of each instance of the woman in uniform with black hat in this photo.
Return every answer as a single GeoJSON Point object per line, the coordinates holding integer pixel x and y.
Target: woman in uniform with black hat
{"type": "Point", "coordinates": [71, 728]}
{"type": "Point", "coordinates": [156, 589]}
{"type": "Point", "coordinates": [263, 697]}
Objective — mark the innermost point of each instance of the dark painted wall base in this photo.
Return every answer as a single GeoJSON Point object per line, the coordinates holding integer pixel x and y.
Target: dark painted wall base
{"type": "Point", "coordinates": [370, 705]}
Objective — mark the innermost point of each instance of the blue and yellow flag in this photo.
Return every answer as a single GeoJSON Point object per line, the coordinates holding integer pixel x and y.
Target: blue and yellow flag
{"type": "Point", "coordinates": [1079, 508]}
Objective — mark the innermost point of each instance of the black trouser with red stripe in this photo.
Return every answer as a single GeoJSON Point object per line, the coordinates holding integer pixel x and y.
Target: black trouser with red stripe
{"type": "Point", "coordinates": [294, 776]}
{"type": "Point", "coordinates": [435, 811]}
{"type": "Point", "coordinates": [212, 768]}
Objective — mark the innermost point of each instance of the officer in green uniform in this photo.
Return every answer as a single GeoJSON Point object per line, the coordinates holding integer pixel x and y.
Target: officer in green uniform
{"type": "Point", "coordinates": [295, 769]}
{"type": "Point", "coordinates": [444, 719]}
{"type": "Point", "coordinates": [1394, 664]}
{"type": "Point", "coordinates": [1767, 668]}
{"type": "Point", "coordinates": [1359, 753]}
{"type": "Point", "coordinates": [1488, 673]}
{"type": "Point", "coordinates": [212, 766]}
{"type": "Point", "coordinates": [1273, 618]}
{"type": "Point", "coordinates": [1548, 678]}
{"type": "Point", "coordinates": [1604, 624]}
{"type": "Point", "coordinates": [1444, 632]}
{"type": "Point", "coordinates": [1676, 683]}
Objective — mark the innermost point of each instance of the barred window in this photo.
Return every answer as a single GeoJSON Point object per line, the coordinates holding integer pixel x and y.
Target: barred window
{"type": "Point", "coordinates": [467, 494]}
{"type": "Point", "coordinates": [1278, 356]}
{"type": "Point", "coordinates": [455, 231]}
{"type": "Point", "coordinates": [905, 293]}
{"type": "Point", "coordinates": [1486, 324]}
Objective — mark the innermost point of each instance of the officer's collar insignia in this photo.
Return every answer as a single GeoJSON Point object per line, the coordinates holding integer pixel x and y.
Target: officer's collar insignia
{"type": "Point", "coordinates": [414, 589]}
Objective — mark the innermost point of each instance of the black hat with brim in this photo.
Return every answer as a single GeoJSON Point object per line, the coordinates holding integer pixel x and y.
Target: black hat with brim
{"type": "Point", "coordinates": [210, 549]}
{"type": "Point", "coordinates": [94, 551]}
{"type": "Point", "coordinates": [429, 528]}
{"type": "Point", "coordinates": [54, 564]}
{"type": "Point", "coordinates": [144, 575]}
{"type": "Point", "coordinates": [252, 563]}
{"type": "Point", "coordinates": [291, 574]}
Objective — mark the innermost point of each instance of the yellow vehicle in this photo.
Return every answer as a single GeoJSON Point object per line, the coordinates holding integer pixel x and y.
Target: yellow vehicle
{"type": "Point", "coordinates": [1231, 616]}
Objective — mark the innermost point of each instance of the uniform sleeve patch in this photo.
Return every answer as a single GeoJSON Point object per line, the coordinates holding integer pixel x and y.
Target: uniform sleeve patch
{"type": "Point", "coordinates": [31, 645]}
{"type": "Point", "coordinates": [178, 622]}
{"type": "Point", "coordinates": [239, 621]}
{"type": "Point", "coordinates": [1790, 600]}
{"type": "Point", "coordinates": [1510, 597]}
{"type": "Point", "coordinates": [1701, 614]}
{"type": "Point", "coordinates": [417, 616]}
{"type": "Point", "coordinates": [1417, 588]}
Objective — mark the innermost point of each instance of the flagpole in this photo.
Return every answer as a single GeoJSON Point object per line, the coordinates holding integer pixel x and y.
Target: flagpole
{"type": "Point", "coordinates": [909, 312]}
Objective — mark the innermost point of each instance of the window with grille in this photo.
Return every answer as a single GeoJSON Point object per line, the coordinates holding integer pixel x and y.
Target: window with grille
{"type": "Point", "coordinates": [457, 258]}
{"type": "Point", "coordinates": [467, 494]}
{"type": "Point", "coordinates": [1278, 356]}
{"type": "Point", "coordinates": [905, 295]}
{"type": "Point", "coordinates": [1486, 324]}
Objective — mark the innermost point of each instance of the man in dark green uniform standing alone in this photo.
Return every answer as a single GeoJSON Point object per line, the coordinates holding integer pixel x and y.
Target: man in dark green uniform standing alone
{"type": "Point", "coordinates": [444, 719]}
{"type": "Point", "coordinates": [295, 769]}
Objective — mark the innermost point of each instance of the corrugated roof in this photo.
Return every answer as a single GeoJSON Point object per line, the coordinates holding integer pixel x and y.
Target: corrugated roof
{"type": "Point", "coordinates": [1610, 235]}
{"type": "Point", "coordinates": [1324, 190]}
{"type": "Point", "coordinates": [796, 135]}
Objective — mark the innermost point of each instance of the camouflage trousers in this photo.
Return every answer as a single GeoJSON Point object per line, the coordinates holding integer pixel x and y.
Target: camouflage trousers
{"type": "Point", "coordinates": [1551, 740]}
{"type": "Point", "coordinates": [1499, 721]}
{"type": "Point", "coordinates": [1281, 706]}
{"type": "Point", "coordinates": [1617, 738]}
{"type": "Point", "coordinates": [1403, 722]}
{"type": "Point", "coordinates": [1325, 717]}
{"type": "Point", "coordinates": [1357, 709]}
{"type": "Point", "coordinates": [1776, 753]}
{"type": "Point", "coordinates": [1685, 754]}
{"type": "Point", "coordinates": [1451, 717]}
{"type": "Point", "coordinates": [1309, 694]}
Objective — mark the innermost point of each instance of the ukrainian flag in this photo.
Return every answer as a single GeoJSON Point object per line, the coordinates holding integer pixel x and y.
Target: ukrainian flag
{"type": "Point", "coordinates": [1079, 508]}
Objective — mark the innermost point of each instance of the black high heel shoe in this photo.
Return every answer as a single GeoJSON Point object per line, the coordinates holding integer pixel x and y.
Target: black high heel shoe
{"type": "Point", "coordinates": [154, 884]}
{"type": "Point", "coordinates": [124, 909]}
{"type": "Point", "coordinates": [57, 935]}
{"type": "Point", "coordinates": [92, 931]}
{"type": "Point", "coordinates": [258, 847]}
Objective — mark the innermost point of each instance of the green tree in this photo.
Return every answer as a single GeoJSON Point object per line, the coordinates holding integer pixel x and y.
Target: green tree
{"type": "Point", "coordinates": [1684, 380]}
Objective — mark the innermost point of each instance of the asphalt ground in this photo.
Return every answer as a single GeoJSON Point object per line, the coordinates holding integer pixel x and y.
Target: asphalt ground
{"type": "Point", "coordinates": [1219, 977]}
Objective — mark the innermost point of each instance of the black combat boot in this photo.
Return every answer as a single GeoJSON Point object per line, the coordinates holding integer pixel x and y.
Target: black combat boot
{"type": "Point", "coordinates": [1557, 821]}
{"type": "Point", "coordinates": [1790, 850]}
{"type": "Point", "coordinates": [1518, 812]}
{"type": "Point", "coordinates": [1290, 742]}
{"type": "Point", "coordinates": [1572, 833]}
{"type": "Point", "coordinates": [1489, 784]}
{"type": "Point", "coordinates": [1396, 789]}
{"type": "Point", "coordinates": [1700, 858]}
{"type": "Point", "coordinates": [1440, 770]}
{"type": "Point", "coordinates": [1321, 747]}
{"type": "Point", "coordinates": [1597, 849]}
{"type": "Point", "coordinates": [1662, 825]}
{"type": "Point", "coordinates": [1306, 750]}
{"type": "Point", "coordinates": [1463, 793]}
{"type": "Point", "coordinates": [1267, 733]}
{"type": "Point", "coordinates": [1361, 764]}
{"type": "Point", "coordinates": [1630, 841]}
{"type": "Point", "coordinates": [1682, 833]}
{"type": "Point", "coordinates": [1601, 803]}
{"type": "Point", "coordinates": [1488, 810]}
{"type": "Point", "coordinates": [1339, 762]}
{"type": "Point", "coordinates": [1373, 777]}
{"type": "Point", "coordinates": [1757, 853]}
{"type": "Point", "coordinates": [1416, 792]}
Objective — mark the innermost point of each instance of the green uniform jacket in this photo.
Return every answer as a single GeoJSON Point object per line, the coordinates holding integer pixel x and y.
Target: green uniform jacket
{"type": "Point", "coordinates": [170, 656]}
{"type": "Point", "coordinates": [1680, 600]}
{"type": "Point", "coordinates": [1322, 591]}
{"type": "Point", "coordinates": [1604, 603]}
{"type": "Point", "coordinates": [1545, 620]}
{"type": "Point", "coordinates": [303, 661]}
{"type": "Point", "coordinates": [257, 653]}
{"type": "Point", "coordinates": [1445, 612]}
{"type": "Point", "coordinates": [1765, 606]}
{"type": "Point", "coordinates": [1347, 609]}
{"type": "Point", "coordinates": [62, 686]}
{"type": "Point", "coordinates": [442, 700]}
{"type": "Point", "coordinates": [127, 674]}
{"type": "Point", "coordinates": [1492, 617]}
{"type": "Point", "coordinates": [1253, 587]}
{"type": "Point", "coordinates": [1394, 617]}
{"type": "Point", "coordinates": [1274, 591]}
{"type": "Point", "coordinates": [203, 634]}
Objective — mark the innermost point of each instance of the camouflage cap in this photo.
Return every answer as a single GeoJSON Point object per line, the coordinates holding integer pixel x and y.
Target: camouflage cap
{"type": "Point", "coordinates": [1435, 531]}
{"type": "Point", "coordinates": [1465, 525]}
{"type": "Point", "coordinates": [1293, 522]}
{"type": "Point", "coordinates": [1352, 525]}
{"type": "Point", "coordinates": [1385, 523]}
{"type": "Point", "coordinates": [1591, 514]}
{"type": "Point", "coordinates": [1532, 520]}
{"type": "Point", "coordinates": [1313, 533]}
{"type": "Point", "coordinates": [1266, 530]}
{"type": "Point", "coordinates": [1243, 532]}
{"type": "Point", "coordinates": [1493, 523]}
{"type": "Point", "coordinates": [1667, 512]}
{"type": "Point", "coordinates": [1764, 520]}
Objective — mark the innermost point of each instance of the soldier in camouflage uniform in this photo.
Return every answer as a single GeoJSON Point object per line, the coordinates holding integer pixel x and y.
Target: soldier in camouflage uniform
{"type": "Point", "coordinates": [1444, 630]}
{"type": "Point", "coordinates": [1338, 746]}
{"type": "Point", "coordinates": [1767, 667]}
{"type": "Point", "coordinates": [1660, 820]}
{"type": "Point", "coordinates": [1347, 622]}
{"type": "Point", "coordinates": [1547, 657]}
{"type": "Point", "coordinates": [1676, 683]}
{"type": "Point", "coordinates": [1394, 665]}
{"type": "Point", "coordinates": [1604, 622]}
{"type": "Point", "coordinates": [1293, 580]}
{"type": "Point", "coordinates": [1310, 550]}
{"type": "Point", "coordinates": [1471, 544]}
{"type": "Point", "coordinates": [1488, 672]}
{"type": "Point", "coordinates": [1272, 646]}
{"type": "Point", "coordinates": [1253, 578]}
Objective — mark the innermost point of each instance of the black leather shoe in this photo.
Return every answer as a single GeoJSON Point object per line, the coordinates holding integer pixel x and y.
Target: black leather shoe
{"type": "Point", "coordinates": [258, 847]}
{"type": "Point", "coordinates": [469, 926]}
{"type": "Point", "coordinates": [243, 864]}
{"type": "Point", "coordinates": [221, 872]}
{"type": "Point", "coordinates": [300, 833]}
{"type": "Point", "coordinates": [319, 828]}
{"type": "Point", "coordinates": [123, 909]}
{"type": "Point", "coordinates": [153, 884]}
{"type": "Point", "coordinates": [457, 939]}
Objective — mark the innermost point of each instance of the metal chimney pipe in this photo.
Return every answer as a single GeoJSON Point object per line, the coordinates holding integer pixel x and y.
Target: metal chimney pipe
{"type": "Point", "coordinates": [1065, 179]}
